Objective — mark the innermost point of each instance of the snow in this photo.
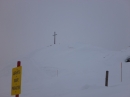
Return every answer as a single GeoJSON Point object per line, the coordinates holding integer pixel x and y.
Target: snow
{"type": "Point", "coordinates": [81, 72]}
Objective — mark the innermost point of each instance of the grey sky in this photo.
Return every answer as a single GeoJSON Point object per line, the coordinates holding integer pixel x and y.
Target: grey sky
{"type": "Point", "coordinates": [26, 25]}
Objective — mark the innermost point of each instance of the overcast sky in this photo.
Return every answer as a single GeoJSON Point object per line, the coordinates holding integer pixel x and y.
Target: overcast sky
{"type": "Point", "coordinates": [26, 25]}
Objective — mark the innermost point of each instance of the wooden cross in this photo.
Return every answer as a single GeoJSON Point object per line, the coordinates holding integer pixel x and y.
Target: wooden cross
{"type": "Point", "coordinates": [54, 37]}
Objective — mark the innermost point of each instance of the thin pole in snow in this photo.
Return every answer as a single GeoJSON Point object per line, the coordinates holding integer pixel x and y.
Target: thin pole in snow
{"type": "Point", "coordinates": [121, 71]}
{"type": "Point", "coordinates": [18, 64]}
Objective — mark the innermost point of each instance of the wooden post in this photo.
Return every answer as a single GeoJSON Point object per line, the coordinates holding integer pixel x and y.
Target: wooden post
{"type": "Point", "coordinates": [121, 71]}
{"type": "Point", "coordinates": [54, 37]}
{"type": "Point", "coordinates": [106, 80]}
{"type": "Point", "coordinates": [18, 64]}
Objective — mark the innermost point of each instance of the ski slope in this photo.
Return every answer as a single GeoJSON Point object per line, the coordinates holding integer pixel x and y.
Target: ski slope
{"type": "Point", "coordinates": [76, 70]}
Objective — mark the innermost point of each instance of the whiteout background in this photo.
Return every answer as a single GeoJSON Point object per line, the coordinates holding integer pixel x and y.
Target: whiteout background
{"type": "Point", "coordinates": [26, 25]}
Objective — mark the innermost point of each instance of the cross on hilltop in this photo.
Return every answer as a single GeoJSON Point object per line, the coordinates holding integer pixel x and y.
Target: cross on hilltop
{"type": "Point", "coordinates": [54, 37]}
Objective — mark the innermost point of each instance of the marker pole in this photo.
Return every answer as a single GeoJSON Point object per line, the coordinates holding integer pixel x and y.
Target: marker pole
{"type": "Point", "coordinates": [121, 71]}
{"type": "Point", "coordinates": [18, 64]}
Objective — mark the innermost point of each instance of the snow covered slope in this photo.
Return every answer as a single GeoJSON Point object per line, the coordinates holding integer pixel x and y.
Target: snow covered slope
{"type": "Point", "coordinates": [76, 70]}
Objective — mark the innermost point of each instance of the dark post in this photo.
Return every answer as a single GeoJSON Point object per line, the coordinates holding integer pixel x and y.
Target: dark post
{"type": "Point", "coordinates": [54, 37]}
{"type": "Point", "coordinates": [106, 81]}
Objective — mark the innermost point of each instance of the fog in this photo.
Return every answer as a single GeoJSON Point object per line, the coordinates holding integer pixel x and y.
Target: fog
{"type": "Point", "coordinates": [27, 25]}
